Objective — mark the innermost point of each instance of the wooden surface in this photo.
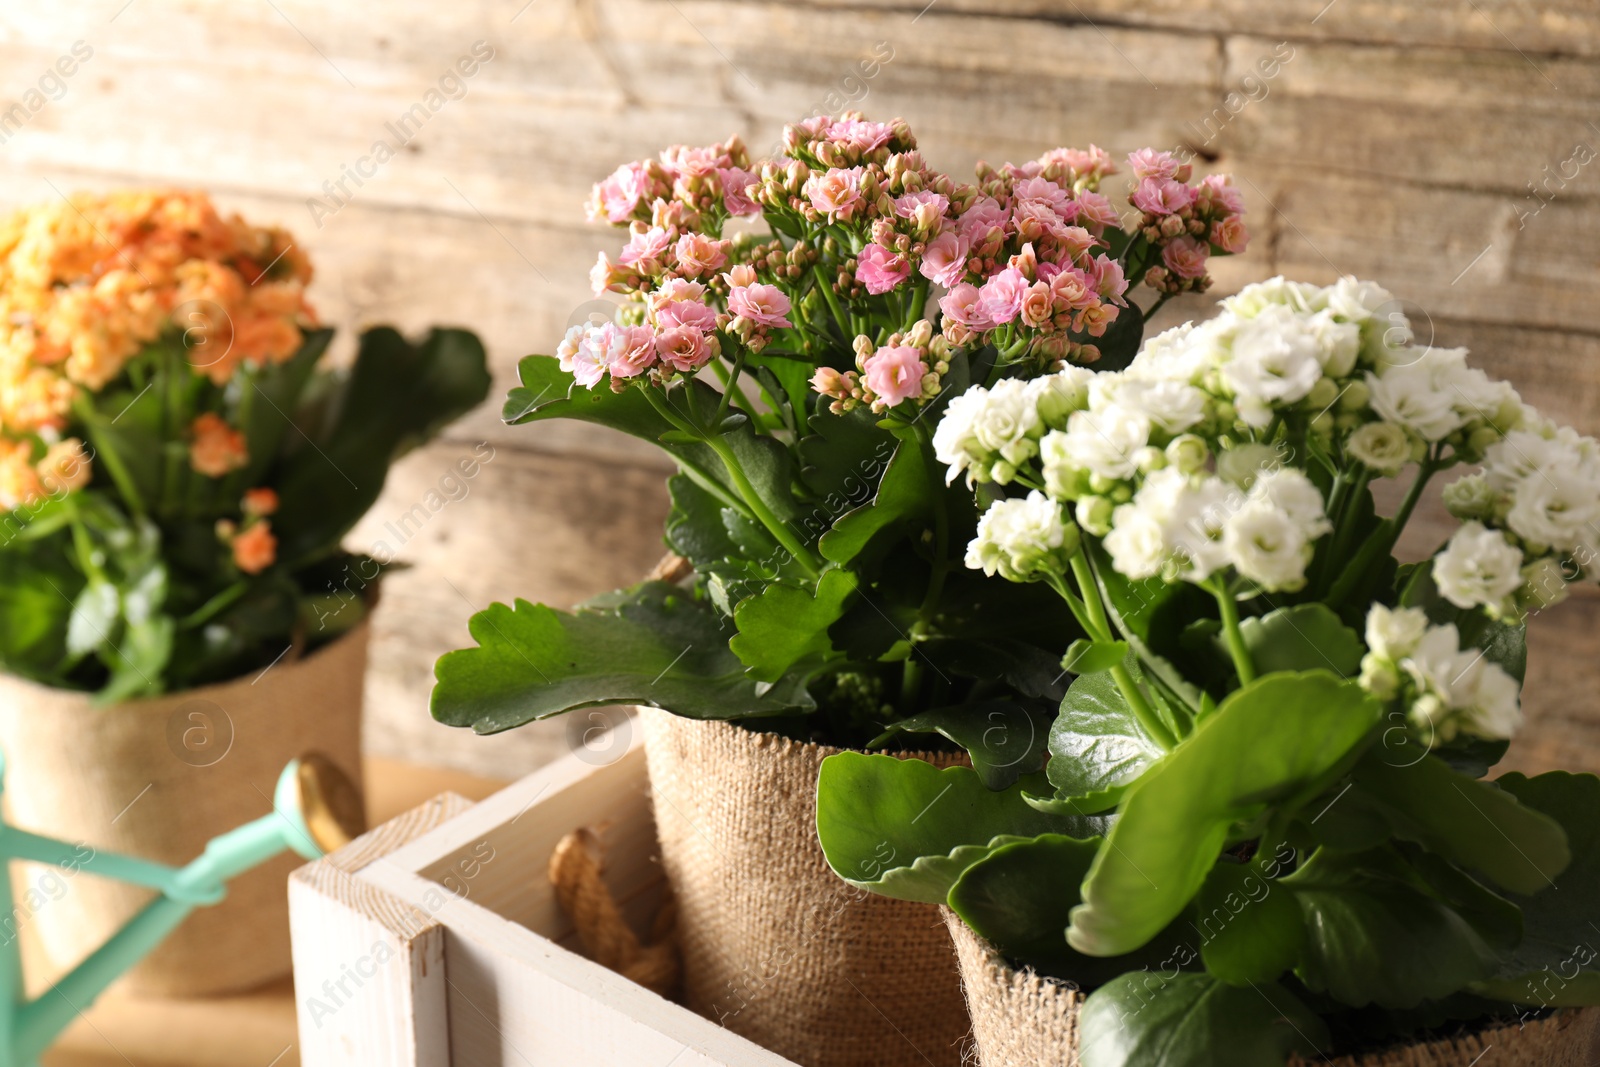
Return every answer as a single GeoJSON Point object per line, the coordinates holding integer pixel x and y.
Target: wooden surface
{"type": "Point", "coordinates": [254, 1030]}
{"type": "Point", "coordinates": [1400, 142]}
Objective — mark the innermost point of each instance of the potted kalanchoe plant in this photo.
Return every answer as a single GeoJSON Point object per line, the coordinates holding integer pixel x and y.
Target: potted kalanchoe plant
{"type": "Point", "coordinates": [177, 617]}
{"type": "Point", "coordinates": [1267, 826]}
{"type": "Point", "coordinates": [795, 374]}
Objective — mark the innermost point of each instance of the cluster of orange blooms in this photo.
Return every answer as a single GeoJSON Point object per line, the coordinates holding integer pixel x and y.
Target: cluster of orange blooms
{"type": "Point", "coordinates": [86, 283]}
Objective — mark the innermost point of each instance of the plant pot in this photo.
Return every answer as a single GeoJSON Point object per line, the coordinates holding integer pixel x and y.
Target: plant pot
{"type": "Point", "coordinates": [157, 779]}
{"type": "Point", "coordinates": [1021, 1019]}
{"type": "Point", "coordinates": [775, 946]}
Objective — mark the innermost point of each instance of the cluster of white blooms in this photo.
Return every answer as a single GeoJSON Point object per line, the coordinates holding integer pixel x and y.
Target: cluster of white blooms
{"type": "Point", "coordinates": [1179, 461]}
{"type": "Point", "coordinates": [1531, 521]}
{"type": "Point", "coordinates": [987, 434]}
{"type": "Point", "coordinates": [1022, 539]}
{"type": "Point", "coordinates": [1446, 689]}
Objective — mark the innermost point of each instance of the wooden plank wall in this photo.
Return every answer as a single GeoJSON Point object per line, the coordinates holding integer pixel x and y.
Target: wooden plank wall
{"type": "Point", "coordinates": [1431, 144]}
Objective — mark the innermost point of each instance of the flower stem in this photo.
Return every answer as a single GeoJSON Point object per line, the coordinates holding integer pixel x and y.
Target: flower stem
{"type": "Point", "coordinates": [1100, 627]}
{"type": "Point", "coordinates": [759, 508]}
{"type": "Point", "coordinates": [1242, 664]}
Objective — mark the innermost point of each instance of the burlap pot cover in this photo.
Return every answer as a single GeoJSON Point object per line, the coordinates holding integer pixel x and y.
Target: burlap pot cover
{"type": "Point", "coordinates": [157, 779]}
{"type": "Point", "coordinates": [775, 946]}
{"type": "Point", "coordinates": [1022, 1020]}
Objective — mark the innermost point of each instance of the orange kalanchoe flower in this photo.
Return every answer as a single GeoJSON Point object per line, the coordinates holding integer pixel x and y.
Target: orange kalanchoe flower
{"type": "Point", "coordinates": [86, 283]}
{"type": "Point", "coordinates": [215, 448]}
{"type": "Point", "coordinates": [254, 548]}
{"type": "Point", "coordinates": [259, 502]}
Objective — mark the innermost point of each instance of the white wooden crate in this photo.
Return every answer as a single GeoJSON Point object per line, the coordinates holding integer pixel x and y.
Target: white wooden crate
{"type": "Point", "coordinates": [436, 938]}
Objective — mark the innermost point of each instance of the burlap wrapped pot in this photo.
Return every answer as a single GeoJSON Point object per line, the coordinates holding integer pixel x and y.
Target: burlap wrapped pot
{"type": "Point", "coordinates": [775, 946]}
{"type": "Point", "coordinates": [157, 779]}
{"type": "Point", "coordinates": [1022, 1020]}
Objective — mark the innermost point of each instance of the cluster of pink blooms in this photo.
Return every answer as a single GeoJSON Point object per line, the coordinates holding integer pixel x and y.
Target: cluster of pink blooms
{"type": "Point", "coordinates": [1185, 222]}
{"type": "Point", "coordinates": [679, 331]}
{"type": "Point", "coordinates": [907, 366]}
{"type": "Point", "coordinates": [674, 208]}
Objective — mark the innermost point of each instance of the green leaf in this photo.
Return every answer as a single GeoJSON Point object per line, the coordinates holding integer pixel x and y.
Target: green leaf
{"type": "Point", "coordinates": [1025, 667]}
{"type": "Point", "coordinates": [782, 627]}
{"type": "Point", "coordinates": [1304, 637]}
{"type": "Point", "coordinates": [1193, 1020]}
{"type": "Point", "coordinates": [1268, 743]}
{"type": "Point", "coordinates": [1250, 925]}
{"type": "Point", "coordinates": [1140, 610]}
{"type": "Point", "coordinates": [1377, 935]}
{"type": "Point", "coordinates": [397, 396]}
{"type": "Point", "coordinates": [1004, 737]}
{"type": "Point", "coordinates": [1097, 746]}
{"type": "Point", "coordinates": [37, 589]}
{"type": "Point", "coordinates": [906, 829]}
{"type": "Point", "coordinates": [1093, 657]}
{"type": "Point", "coordinates": [1465, 820]}
{"type": "Point", "coordinates": [279, 388]}
{"type": "Point", "coordinates": [662, 650]}
{"type": "Point", "coordinates": [843, 458]}
{"type": "Point", "coordinates": [1556, 964]}
{"type": "Point", "coordinates": [905, 493]}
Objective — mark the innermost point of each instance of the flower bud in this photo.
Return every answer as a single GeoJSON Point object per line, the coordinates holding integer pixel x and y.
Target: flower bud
{"type": "Point", "coordinates": [1094, 514]}
{"type": "Point", "coordinates": [1188, 453]}
{"type": "Point", "coordinates": [1543, 585]}
{"type": "Point", "coordinates": [1322, 395]}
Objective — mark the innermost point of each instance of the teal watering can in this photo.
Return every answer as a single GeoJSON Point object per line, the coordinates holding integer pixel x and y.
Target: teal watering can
{"type": "Point", "coordinates": [316, 809]}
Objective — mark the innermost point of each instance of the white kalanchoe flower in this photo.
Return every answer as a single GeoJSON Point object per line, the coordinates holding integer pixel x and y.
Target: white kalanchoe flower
{"type": "Point", "coordinates": [1394, 633]}
{"type": "Point", "coordinates": [1022, 539]}
{"type": "Point", "coordinates": [1137, 542]}
{"type": "Point", "coordinates": [1339, 343]}
{"type": "Point", "coordinates": [1479, 568]}
{"type": "Point", "coordinates": [1292, 492]}
{"type": "Point", "coordinates": [1411, 397]}
{"type": "Point", "coordinates": [1267, 547]}
{"type": "Point", "coordinates": [1274, 362]}
{"type": "Point", "coordinates": [1256, 297]}
{"type": "Point", "coordinates": [988, 433]}
{"type": "Point", "coordinates": [1055, 396]}
{"type": "Point", "coordinates": [1383, 447]}
{"type": "Point", "coordinates": [1168, 406]}
{"type": "Point", "coordinates": [1470, 497]}
{"type": "Point", "coordinates": [1555, 508]}
{"type": "Point", "coordinates": [1105, 442]}
{"type": "Point", "coordinates": [1244, 463]}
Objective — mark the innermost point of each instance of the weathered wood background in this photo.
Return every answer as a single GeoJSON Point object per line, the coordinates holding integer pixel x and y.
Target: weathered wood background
{"type": "Point", "coordinates": [1433, 145]}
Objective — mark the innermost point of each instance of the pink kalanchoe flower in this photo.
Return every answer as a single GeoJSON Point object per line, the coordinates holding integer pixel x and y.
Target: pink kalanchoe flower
{"type": "Point", "coordinates": [1092, 162]}
{"type": "Point", "coordinates": [1230, 235]}
{"type": "Point", "coordinates": [1046, 190]}
{"type": "Point", "coordinates": [693, 313]}
{"type": "Point", "coordinates": [1034, 219]}
{"type": "Point", "coordinates": [1186, 257]}
{"type": "Point", "coordinates": [836, 193]}
{"type": "Point", "coordinates": [683, 348]}
{"type": "Point", "coordinates": [764, 305]}
{"type": "Point", "coordinates": [684, 161]}
{"type": "Point", "coordinates": [632, 351]}
{"type": "Point", "coordinates": [830, 382]}
{"type": "Point", "coordinates": [860, 135]}
{"type": "Point", "coordinates": [698, 254]}
{"type": "Point", "coordinates": [1038, 305]}
{"type": "Point", "coordinates": [964, 304]}
{"type": "Point", "coordinates": [1002, 295]}
{"type": "Point", "coordinates": [735, 185]}
{"type": "Point", "coordinates": [895, 374]}
{"type": "Point", "coordinates": [740, 274]}
{"type": "Point", "coordinates": [606, 276]}
{"type": "Point", "coordinates": [880, 270]}
{"type": "Point", "coordinates": [944, 261]}
{"type": "Point", "coordinates": [1073, 290]}
{"type": "Point", "coordinates": [1096, 212]}
{"type": "Point", "coordinates": [1075, 241]}
{"type": "Point", "coordinates": [1162, 197]}
{"type": "Point", "coordinates": [906, 206]}
{"type": "Point", "coordinates": [618, 196]}
{"type": "Point", "coordinates": [582, 352]}
{"type": "Point", "coordinates": [982, 215]}
{"type": "Point", "coordinates": [647, 250]}
{"type": "Point", "coordinates": [1152, 163]}
{"type": "Point", "coordinates": [1220, 190]}
{"type": "Point", "coordinates": [1109, 281]}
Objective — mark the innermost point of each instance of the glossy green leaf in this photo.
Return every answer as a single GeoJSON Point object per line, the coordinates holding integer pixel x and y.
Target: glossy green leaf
{"type": "Point", "coordinates": [1266, 744]}
{"type": "Point", "coordinates": [904, 828]}
{"type": "Point", "coordinates": [1249, 926]}
{"type": "Point", "coordinates": [1097, 746]}
{"type": "Point", "coordinates": [1149, 1019]}
{"type": "Point", "coordinates": [1377, 935]}
{"type": "Point", "coordinates": [905, 492]}
{"type": "Point", "coordinates": [1005, 737]}
{"type": "Point", "coordinates": [1557, 962]}
{"type": "Point", "coordinates": [662, 650]}
{"type": "Point", "coordinates": [1467, 821]}
{"type": "Point", "coordinates": [396, 396]}
{"type": "Point", "coordinates": [1304, 637]}
{"type": "Point", "coordinates": [783, 626]}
